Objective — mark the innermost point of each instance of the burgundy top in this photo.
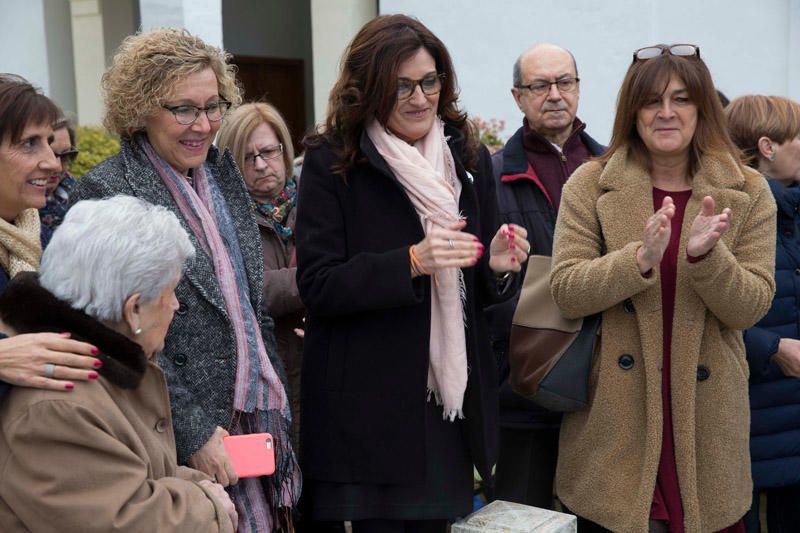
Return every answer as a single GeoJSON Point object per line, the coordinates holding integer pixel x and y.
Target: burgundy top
{"type": "Point", "coordinates": [551, 166]}
{"type": "Point", "coordinates": [667, 505]}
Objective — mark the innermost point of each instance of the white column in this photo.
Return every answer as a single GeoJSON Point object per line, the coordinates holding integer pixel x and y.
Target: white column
{"type": "Point", "coordinates": [793, 54]}
{"type": "Point", "coordinates": [333, 26]}
{"type": "Point", "coordinates": [23, 42]}
{"type": "Point", "coordinates": [89, 56]}
{"type": "Point", "coordinates": [201, 17]}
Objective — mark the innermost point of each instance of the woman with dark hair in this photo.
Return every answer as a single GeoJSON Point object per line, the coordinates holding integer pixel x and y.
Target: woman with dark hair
{"type": "Point", "coordinates": [767, 129]}
{"type": "Point", "coordinates": [399, 386]}
{"type": "Point", "coordinates": [672, 239]}
{"type": "Point", "coordinates": [46, 360]}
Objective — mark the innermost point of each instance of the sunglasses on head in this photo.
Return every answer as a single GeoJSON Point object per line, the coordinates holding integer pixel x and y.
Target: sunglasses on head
{"type": "Point", "coordinates": [681, 50]}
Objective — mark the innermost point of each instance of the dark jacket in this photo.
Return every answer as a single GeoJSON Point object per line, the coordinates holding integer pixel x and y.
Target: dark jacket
{"type": "Point", "coordinates": [522, 200]}
{"type": "Point", "coordinates": [774, 397]}
{"type": "Point", "coordinates": [199, 356]}
{"type": "Point", "coordinates": [365, 362]}
{"type": "Point", "coordinates": [282, 302]}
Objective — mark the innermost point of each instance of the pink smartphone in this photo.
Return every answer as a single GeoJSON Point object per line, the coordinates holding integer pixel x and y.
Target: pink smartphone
{"type": "Point", "coordinates": [251, 455]}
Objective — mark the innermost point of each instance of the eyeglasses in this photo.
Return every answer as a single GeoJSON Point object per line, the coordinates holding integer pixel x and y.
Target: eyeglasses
{"type": "Point", "coordinates": [682, 50]}
{"type": "Point", "coordinates": [430, 85]}
{"type": "Point", "coordinates": [67, 157]}
{"type": "Point", "coordinates": [188, 114]}
{"type": "Point", "coordinates": [270, 152]}
{"type": "Point", "coordinates": [539, 88]}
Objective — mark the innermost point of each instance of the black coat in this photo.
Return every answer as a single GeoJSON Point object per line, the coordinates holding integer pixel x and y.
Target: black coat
{"type": "Point", "coordinates": [365, 361]}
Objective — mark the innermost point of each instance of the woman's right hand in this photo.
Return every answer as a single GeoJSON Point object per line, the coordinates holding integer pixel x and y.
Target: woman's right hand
{"type": "Point", "coordinates": [212, 459]}
{"type": "Point", "coordinates": [788, 357]}
{"type": "Point", "coordinates": [448, 248]}
{"type": "Point", "coordinates": [24, 359]}
{"type": "Point", "coordinates": [219, 494]}
{"type": "Point", "coordinates": [657, 232]}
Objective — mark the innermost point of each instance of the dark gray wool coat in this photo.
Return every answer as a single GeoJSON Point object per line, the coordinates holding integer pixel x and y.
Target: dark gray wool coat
{"type": "Point", "coordinates": [199, 357]}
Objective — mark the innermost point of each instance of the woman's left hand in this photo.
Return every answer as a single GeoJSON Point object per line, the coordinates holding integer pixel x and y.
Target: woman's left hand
{"type": "Point", "coordinates": [509, 249]}
{"type": "Point", "coordinates": [707, 228]}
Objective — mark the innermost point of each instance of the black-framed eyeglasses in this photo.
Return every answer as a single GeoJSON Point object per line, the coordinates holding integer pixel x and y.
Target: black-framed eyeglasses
{"type": "Point", "coordinates": [270, 152]}
{"type": "Point", "coordinates": [682, 50]}
{"type": "Point", "coordinates": [430, 85]}
{"type": "Point", "coordinates": [67, 157]}
{"type": "Point", "coordinates": [188, 114]}
{"type": "Point", "coordinates": [539, 88]}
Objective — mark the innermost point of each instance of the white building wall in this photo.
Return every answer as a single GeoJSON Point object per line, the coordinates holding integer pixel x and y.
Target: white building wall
{"type": "Point", "coordinates": [750, 47]}
{"type": "Point", "coordinates": [22, 41]}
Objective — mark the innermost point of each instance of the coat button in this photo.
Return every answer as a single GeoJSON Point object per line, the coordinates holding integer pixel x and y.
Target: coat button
{"type": "Point", "coordinates": [179, 359]}
{"type": "Point", "coordinates": [627, 306]}
{"type": "Point", "coordinates": [703, 373]}
{"type": "Point", "coordinates": [161, 425]}
{"type": "Point", "coordinates": [625, 361]}
{"type": "Point", "coordinates": [797, 272]}
{"type": "Point", "coordinates": [182, 309]}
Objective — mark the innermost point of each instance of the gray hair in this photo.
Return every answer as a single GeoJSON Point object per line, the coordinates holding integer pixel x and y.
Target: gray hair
{"type": "Point", "coordinates": [107, 250]}
{"type": "Point", "coordinates": [517, 75]}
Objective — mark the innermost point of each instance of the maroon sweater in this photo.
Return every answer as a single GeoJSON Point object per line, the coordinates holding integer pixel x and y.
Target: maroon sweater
{"type": "Point", "coordinates": [551, 166]}
{"type": "Point", "coordinates": [667, 505]}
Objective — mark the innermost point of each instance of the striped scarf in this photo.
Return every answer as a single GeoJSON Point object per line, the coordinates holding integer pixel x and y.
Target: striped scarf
{"type": "Point", "coordinates": [260, 403]}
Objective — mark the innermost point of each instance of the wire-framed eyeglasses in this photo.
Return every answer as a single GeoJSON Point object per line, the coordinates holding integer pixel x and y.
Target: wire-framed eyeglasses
{"type": "Point", "coordinates": [270, 152]}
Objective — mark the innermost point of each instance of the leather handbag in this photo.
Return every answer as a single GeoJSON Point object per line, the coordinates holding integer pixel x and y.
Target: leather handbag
{"type": "Point", "coordinates": [550, 356]}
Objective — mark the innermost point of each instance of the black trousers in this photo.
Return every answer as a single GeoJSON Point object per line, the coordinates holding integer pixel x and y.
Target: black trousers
{"type": "Point", "coordinates": [526, 466]}
{"type": "Point", "coordinates": [399, 526]}
{"type": "Point", "coordinates": [783, 511]}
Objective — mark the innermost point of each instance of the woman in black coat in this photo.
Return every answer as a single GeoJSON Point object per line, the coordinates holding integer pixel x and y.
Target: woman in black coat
{"type": "Point", "coordinates": [767, 130]}
{"type": "Point", "coordinates": [399, 386]}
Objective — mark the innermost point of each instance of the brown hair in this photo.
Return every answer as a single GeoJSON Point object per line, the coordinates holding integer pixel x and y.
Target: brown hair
{"type": "Point", "coordinates": [754, 116]}
{"type": "Point", "coordinates": [367, 86]}
{"type": "Point", "coordinates": [148, 65]}
{"type": "Point", "coordinates": [239, 125]}
{"type": "Point", "coordinates": [651, 76]}
{"type": "Point", "coordinates": [22, 104]}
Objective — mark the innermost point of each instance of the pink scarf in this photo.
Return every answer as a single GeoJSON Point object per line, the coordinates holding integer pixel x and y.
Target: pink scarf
{"type": "Point", "coordinates": [428, 174]}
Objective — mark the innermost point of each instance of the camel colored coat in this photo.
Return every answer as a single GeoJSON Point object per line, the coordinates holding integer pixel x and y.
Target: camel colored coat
{"type": "Point", "coordinates": [609, 454]}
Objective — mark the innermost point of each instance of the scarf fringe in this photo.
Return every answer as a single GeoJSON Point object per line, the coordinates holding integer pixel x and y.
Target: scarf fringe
{"type": "Point", "coordinates": [447, 414]}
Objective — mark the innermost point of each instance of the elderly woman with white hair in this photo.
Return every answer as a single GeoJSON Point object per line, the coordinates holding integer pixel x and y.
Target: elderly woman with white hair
{"type": "Point", "coordinates": [103, 458]}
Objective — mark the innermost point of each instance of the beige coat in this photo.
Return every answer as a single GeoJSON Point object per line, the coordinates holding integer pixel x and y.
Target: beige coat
{"type": "Point", "coordinates": [98, 459]}
{"type": "Point", "coordinates": [609, 454]}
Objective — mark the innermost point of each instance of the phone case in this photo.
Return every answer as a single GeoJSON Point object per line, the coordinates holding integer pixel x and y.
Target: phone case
{"type": "Point", "coordinates": [251, 455]}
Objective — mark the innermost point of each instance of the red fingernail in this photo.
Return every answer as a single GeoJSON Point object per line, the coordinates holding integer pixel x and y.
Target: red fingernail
{"type": "Point", "coordinates": [92, 375]}
{"type": "Point", "coordinates": [69, 386]}
{"type": "Point", "coordinates": [513, 259]}
{"type": "Point", "coordinates": [65, 334]}
{"type": "Point", "coordinates": [474, 238]}
{"type": "Point", "coordinates": [510, 235]}
{"type": "Point", "coordinates": [481, 246]}
{"type": "Point", "coordinates": [474, 260]}
{"type": "Point", "coordinates": [98, 364]}
{"type": "Point", "coordinates": [95, 351]}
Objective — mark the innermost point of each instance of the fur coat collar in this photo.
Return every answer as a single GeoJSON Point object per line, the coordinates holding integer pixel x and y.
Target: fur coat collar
{"type": "Point", "coordinates": [27, 307]}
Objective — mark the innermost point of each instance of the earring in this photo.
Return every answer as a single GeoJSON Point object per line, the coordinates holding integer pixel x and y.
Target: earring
{"type": "Point", "coordinates": [137, 331]}
{"type": "Point", "coordinates": [772, 157]}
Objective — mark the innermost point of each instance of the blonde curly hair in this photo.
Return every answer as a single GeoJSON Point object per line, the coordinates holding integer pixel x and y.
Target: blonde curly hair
{"type": "Point", "coordinates": [147, 66]}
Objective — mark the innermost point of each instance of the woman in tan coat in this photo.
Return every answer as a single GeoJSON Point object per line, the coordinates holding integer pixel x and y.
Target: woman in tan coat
{"type": "Point", "coordinates": [673, 239]}
{"type": "Point", "coordinates": [103, 458]}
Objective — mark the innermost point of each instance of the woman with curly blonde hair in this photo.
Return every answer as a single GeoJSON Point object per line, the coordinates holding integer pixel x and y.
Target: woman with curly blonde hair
{"type": "Point", "coordinates": [166, 93]}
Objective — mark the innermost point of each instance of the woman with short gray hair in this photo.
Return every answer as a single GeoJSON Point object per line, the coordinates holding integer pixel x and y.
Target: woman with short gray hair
{"type": "Point", "coordinates": [105, 455]}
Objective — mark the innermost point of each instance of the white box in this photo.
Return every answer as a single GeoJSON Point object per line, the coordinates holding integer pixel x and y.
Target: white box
{"type": "Point", "coordinates": [516, 518]}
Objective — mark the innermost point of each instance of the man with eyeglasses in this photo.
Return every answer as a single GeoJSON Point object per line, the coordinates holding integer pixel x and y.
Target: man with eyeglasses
{"type": "Point", "coordinates": [529, 174]}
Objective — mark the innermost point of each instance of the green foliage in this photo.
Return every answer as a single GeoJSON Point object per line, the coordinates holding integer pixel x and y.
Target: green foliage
{"type": "Point", "coordinates": [489, 132]}
{"type": "Point", "coordinates": [95, 145]}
